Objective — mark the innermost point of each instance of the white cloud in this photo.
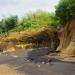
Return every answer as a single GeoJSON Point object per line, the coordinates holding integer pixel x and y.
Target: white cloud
{"type": "Point", "coordinates": [19, 7]}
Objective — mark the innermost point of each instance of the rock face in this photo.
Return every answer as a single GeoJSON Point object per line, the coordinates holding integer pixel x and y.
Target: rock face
{"type": "Point", "coordinates": [32, 55]}
{"type": "Point", "coordinates": [67, 39]}
{"type": "Point", "coordinates": [44, 38]}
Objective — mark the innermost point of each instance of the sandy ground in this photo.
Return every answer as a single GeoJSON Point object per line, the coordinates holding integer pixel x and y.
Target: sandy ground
{"type": "Point", "coordinates": [15, 63]}
{"type": "Point", "coordinates": [6, 70]}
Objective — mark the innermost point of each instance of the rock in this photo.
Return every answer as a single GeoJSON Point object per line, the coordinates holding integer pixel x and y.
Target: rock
{"type": "Point", "coordinates": [38, 53]}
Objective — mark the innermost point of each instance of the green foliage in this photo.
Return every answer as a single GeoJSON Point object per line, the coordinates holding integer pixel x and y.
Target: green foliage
{"type": "Point", "coordinates": [35, 20]}
{"type": "Point", "coordinates": [7, 24]}
{"type": "Point", "coordinates": [38, 20]}
{"type": "Point", "coordinates": [54, 21]}
{"type": "Point", "coordinates": [62, 11]}
{"type": "Point", "coordinates": [32, 21]}
{"type": "Point", "coordinates": [65, 10]}
{"type": "Point", "coordinates": [71, 5]}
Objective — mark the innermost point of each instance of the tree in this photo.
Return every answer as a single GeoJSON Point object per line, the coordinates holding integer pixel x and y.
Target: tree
{"type": "Point", "coordinates": [65, 10]}
{"type": "Point", "coordinates": [54, 21]}
{"type": "Point", "coordinates": [1, 28]}
{"type": "Point", "coordinates": [9, 23]}
{"type": "Point", "coordinates": [62, 11]}
{"type": "Point", "coordinates": [71, 6]}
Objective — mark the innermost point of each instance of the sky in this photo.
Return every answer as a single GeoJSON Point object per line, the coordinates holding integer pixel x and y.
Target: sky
{"type": "Point", "coordinates": [20, 7]}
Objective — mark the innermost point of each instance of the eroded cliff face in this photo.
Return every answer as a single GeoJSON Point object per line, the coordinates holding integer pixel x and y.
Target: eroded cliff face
{"type": "Point", "coordinates": [27, 40]}
{"type": "Point", "coordinates": [63, 40]}
{"type": "Point", "coordinates": [67, 39]}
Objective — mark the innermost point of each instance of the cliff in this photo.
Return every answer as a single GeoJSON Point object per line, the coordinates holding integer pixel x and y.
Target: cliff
{"type": "Point", "coordinates": [67, 39]}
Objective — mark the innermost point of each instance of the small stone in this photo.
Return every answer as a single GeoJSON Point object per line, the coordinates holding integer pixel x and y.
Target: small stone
{"type": "Point", "coordinates": [15, 56]}
{"type": "Point", "coordinates": [38, 65]}
{"type": "Point", "coordinates": [47, 63]}
{"type": "Point", "coordinates": [43, 62]}
{"type": "Point", "coordinates": [6, 54]}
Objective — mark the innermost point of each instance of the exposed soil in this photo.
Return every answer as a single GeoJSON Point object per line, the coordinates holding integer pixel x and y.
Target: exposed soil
{"type": "Point", "coordinates": [67, 40]}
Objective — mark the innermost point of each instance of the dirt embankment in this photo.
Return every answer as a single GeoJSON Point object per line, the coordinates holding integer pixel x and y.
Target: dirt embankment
{"type": "Point", "coordinates": [67, 39]}
{"type": "Point", "coordinates": [62, 40]}
{"type": "Point", "coordinates": [25, 40]}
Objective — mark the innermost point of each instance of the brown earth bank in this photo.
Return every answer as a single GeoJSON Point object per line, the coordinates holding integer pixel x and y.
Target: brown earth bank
{"type": "Point", "coordinates": [62, 40]}
{"type": "Point", "coordinates": [67, 40]}
{"type": "Point", "coordinates": [28, 40]}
